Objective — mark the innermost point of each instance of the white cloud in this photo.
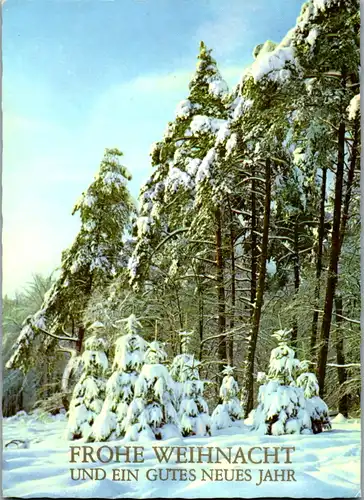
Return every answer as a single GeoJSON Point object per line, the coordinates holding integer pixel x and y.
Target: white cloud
{"type": "Point", "coordinates": [148, 94]}
{"type": "Point", "coordinates": [229, 27]}
{"type": "Point", "coordinates": [134, 114]}
{"type": "Point", "coordinates": [169, 82]}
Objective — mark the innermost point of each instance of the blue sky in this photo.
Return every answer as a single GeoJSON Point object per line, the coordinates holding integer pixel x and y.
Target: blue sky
{"type": "Point", "coordinates": [83, 75]}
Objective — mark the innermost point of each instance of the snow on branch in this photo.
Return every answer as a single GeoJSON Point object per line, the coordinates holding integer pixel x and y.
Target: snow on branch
{"type": "Point", "coordinates": [177, 231]}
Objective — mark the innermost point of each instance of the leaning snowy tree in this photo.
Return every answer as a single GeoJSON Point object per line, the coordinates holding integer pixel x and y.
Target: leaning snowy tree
{"type": "Point", "coordinates": [229, 412]}
{"type": "Point", "coordinates": [21, 390]}
{"type": "Point", "coordinates": [282, 407]}
{"type": "Point", "coordinates": [88, 394]}
{"type": "Point", "coordinates": [152, 412]}
{"type": "Point", "coordinates": [94, 258]}
{"type": "Point", "coordinates": [128, 360]}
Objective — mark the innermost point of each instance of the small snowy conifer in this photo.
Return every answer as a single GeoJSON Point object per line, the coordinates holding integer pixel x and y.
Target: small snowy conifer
{"type": "Point", "coordinates": [317, 408]}
{"type": "Point", "coordinates": [128, 360]}
{"type": "Point", "coordinates": [281, 407]}
{"type": "Point", "coordinates": [229, 412]}
{"type": "Point", "coordinates": [89, 392]}
{"type": "Point", "coordinates": [193, 411]}
{"type": "Point", "coordinates": [178, 372]}
{"type": "Point", "coordinates": [151, 413]}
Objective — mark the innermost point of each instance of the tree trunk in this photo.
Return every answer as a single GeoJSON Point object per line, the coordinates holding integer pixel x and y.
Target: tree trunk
{"type": "Point", "coordinates": [321, 233]}
{"type": "Point", "coordinates": [80, 337]}
{"type": "Point", "coordinates": [67, 372]}
{"type": "Point", "coordinates": [45, 382]}
{"type": "Point", "coordinates": [340, 356]}
{"type": "Point", "coordinates": [333, 266]}
{"type": "Point", "coordinates": [349, 183]}
{"type": "Point", "coordinates": [296, 269]}
{"type": "Point", "coordinates": [21, 399]}
{"type": "Point", "coordinates": [200, 319]}
{"type": "Point", "coordinates": [233, 294]}
{"type": "Point", "coordinates": [248, 382]}
{"type": "Point", "coordinates": [343, 404]}
{"type": "Point", "coordinates": [222, 349]}
{"type": "Point", "coordinates": [179, 311]}
{"type": "Point", "coordinates": [254, 245]}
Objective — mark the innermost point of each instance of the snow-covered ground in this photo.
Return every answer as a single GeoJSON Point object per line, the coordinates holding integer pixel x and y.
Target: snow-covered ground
{"type": "Point", "coordinates": [325, 465]}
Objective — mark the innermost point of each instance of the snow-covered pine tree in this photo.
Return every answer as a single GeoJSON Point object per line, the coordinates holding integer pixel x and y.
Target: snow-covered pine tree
{"type": "Point", "coordinates": [152, 413]}
{"type": "Point", "coordinates": [128, 360]}
{"type": "Point", "coordinates": [177, 370]}
{"type": "Point", "coordinates": [229, 412]}
{"type": "Point", "coordinates": [177, 161]}
{"type": "Point", "coordinates": [94, 258]}
{"type": "Point", "coordinates": [295, 195]}
{"type": "Point", "coordinates": [178, 168]}
{"type": "Point", "coordinates": [282, 407]}
{"type": "Point", "coordinates": [88, 394]}
{"type": "Point", "coordinates": [244, 149]}
{"type": "Point", "coordinates": [331, 65]}
{"type": "Point", "coordinates": [186, 179]}
{"type": "Point", "coordinates": [317, 408]}
{"type": "Point", "coordinates": [194, 419]}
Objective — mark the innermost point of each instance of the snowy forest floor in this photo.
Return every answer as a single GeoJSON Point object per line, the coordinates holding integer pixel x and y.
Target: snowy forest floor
{"type": "Point", "coordinates": [326, 465]}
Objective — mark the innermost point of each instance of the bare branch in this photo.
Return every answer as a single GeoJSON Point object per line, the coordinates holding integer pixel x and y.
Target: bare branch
{"type": "Point", "coordinates": [58, 337]}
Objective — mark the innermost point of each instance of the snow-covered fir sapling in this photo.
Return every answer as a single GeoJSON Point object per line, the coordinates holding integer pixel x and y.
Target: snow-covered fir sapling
{"type": "Point", "coordinates": [152, 413]}
{"type": "Point", "coordinates": [229, 412]}
{"type": "Point", "coordinates": [262, 378]}
{"type": "Point", "coordinates": [194, 419]}
{"type": "Point", "coordinates": [88, 394]}
{"type": "Point", "coordinates": [282, 406]}
{"type": "Point", "coordinates": [317, 408]}
{"type": "Point", "coordinates": [177, 369]}
{"type": "Point", "coordinates": [128, 360]}
{"type": "Point", "coordinates": [185, 341]}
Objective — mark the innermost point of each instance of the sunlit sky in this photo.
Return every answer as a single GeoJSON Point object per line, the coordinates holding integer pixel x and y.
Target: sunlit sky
{"type": "Point", "coordinates": [83, 75]}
